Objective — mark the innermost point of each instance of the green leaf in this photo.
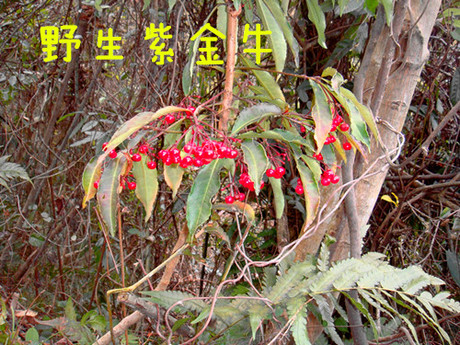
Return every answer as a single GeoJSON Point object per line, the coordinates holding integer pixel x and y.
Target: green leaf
{"type": "Point", "coordinates": [297, 312]}
{"type": "Point", "coordinates": [256, 159]}
{"type": "Point", "coordinates": [314, 166]}
{"type": "Point", "coordinates": [92, 173]}
{"type": "Point", "coordinates": [257, 313]}
{"type": "Point", "coordinates": [281, 19]}
{"type": "Point", "coordinates": [317, 17]}
{"type": "Point", "coordinates": [276, 38]}
{"type": "Point", "coordinates": [371, 5]}
{"type": "Point", "coordinates": [32, 335]}
{"type": "Point", "coordinates": [388, 7]}
{"type": "Point", "coordinates": [278, 196]}
{"type": "Point", "coordinates": [167, 298]}
{"type": "Point", "coordinates": [326, 315]}
{"type": "Point", "coordinates": [9, 171]}
{"type": "Point", "coordinates": [279, 134]}
{"type": "Point", "coordinates": [147, 185]}
{"type": "Point", "coordinates": [321, 112]}
{"type": "Point", "coordinates": [205, 187]}
{"type": "Point", "coordinates": [173, 177]}
{"type": "Point", "coordinates": [222, 17]}
{"type": "Point", "coordinates": [363, 310]}
{"type": "Point", "coordinates": [266, 80]}
{"type": "Point", "coordinates": [311, 193]}
{"type": "Point", "coordinates": [453, 263]}
{"type": "Point", "coordinates": [107, 193]}
{"type": "Point", "coordinates": [70, 310]}
{"type": "Point", "coordinates": [173, 134]}
{"type": "Point", "coordinates": [214, 229]}
{"type": "Point", "coordinates": [146, 5]}
{"type": "Point", "coordinates": [254, 114]}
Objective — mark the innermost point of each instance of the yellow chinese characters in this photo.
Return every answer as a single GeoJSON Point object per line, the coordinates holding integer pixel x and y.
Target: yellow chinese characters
{"type": "Point", "coordinates": [210, 58]}
{"type": "Point", "coordinates": [110, 47]}
{"type": "Point", "coordinates": [156, 34]}
{"type": "Point", "coordinates": [49, 36]}
{"type": "Point", "coordinates": [257, 50]}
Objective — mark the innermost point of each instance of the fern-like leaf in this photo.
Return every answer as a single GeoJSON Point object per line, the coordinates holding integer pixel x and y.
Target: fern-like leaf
{"type": "Point", "coordinates": [298, 314]}
{"type": "Point", "coordinates": [286, 282]}
{"type": "Point", "coordinates": [167, 298]}
{"type": "Point", "coordinates": [9, 171]}
{"type": "Point", "coordinates": [326, 314]}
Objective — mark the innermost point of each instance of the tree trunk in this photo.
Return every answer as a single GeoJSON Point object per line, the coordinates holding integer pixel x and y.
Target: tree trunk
{"type": "Point", "coordinates": [389, 71]}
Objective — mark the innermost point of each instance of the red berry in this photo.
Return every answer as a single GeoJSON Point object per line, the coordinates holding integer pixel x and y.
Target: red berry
{"type": "Point", "coordinates": [163, 154]}
{"type": "Point", "coordinates": [188, 148]}
{"type": "Point", "coordinates": [208, 154]}
{"type": "Point", "coordinates": [198, 162]}
{"type": "Point", "coordinates": [302, 129]}
{"type": "Point", "coordinates": [174, 152]}
{"type": "Point", "coordinates": [328, 173]}
{"type": "Point", "coordinates": [346, 146]}
{"type": "Point", "coordinates": [241, 196]}
{"type": "Point", "coordinates": [250, 186]}
{"type": "Point", "coordinates": [176, 159]}
{"type": "Point", "coordinates": [337, 120]}
{"type": "Point", "coordinates": [262, 184]}
{"type": "Point", "coordinates": [325, 181]}
{"type": "Point", "coordinates": [136, 157]}
{"type": "Point", "coordinates": [344, 127]}
{"type": "Point", "coordinates": [186, 162]}
{"type": "Point", "coordinates": [270, 173]}
{"type": "Point", "coordinates": [222, 151]}
{"type": "Point", "coordinates": [335, 179]}
{"type": "Point", "coordinates": [96, 184]}
{"type": "Point", "coordinates": [299, 189]}
{"type": "Point", "coordinates": [104, 145]}
{"type": "Point", "coordinates": [131, 185]}
{"type": "Point", "coordinates": [318, 156]}
{"type": "Point", "coordinates": [229, 199]}
{"type": "Point", "coordinates": [113, 154]}
{"type": "Point", "coordinates": [333, 128]}
{"type": "Point", "coordinates": [168, 160]}
{"type": "Point", "coordinates": [143, 149]}
{"type": "Point", "coordinates": [299, 182]}
{"type": "Point", "coordinates": [191, 109]}
{"type": "Point", "coordinates": [170, 119]}
{"type": "Point", "coordinates": [151, 165]}
{"type": "Point", "coordinates": [280, 171]}
{"type": "Point", "coordinates": [232, 154]}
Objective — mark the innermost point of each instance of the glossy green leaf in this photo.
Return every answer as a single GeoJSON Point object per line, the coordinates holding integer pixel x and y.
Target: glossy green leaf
{"type": "Point", "coordinates": [321, 113]}
{"type": "Point", "coordinates": [357, 124]}
{"type": "Point", "coordinates": [314, 166]}
{"type": "Point", "coordinates": [281, 19]}
{"type": "Point", "coordinates": [254, 114]}
{"type": "Point", "coordinates": [279, 134]}
{"type": "Point", "coordinates": [266, 80]}
{"type": "Point", "coordinates": [276, 38]}
{"type": "Point", "coordinates": [107, 193]}
{"type": "Point", "coordinates": [311, 193]}
{"type": "Point", "coordinates": [91, 174]}
{"type": "Point", "coordinates": [221, 17]}
{"type": "Point", "coordinates": [371, 5]}
{"type": "Point", "coordinates": [317, 17]}
{"type": "Point", "coordinates": [204, 188]}
{"type": "Point", "coordinates": [147, 185]}
{"type": "Point", "coordinates": [238, 206]}
{"type": "Point", "coordinates": [278, 196]}
{"type": "Point", "coordinates": [173, 177]}
{"type": "Point", "coordinates": [256, 159]}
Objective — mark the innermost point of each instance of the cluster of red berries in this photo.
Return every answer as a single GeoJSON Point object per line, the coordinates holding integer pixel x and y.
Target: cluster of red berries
{"type": "Point", "coordinates": [230, 199]}
{"type": "Point", "coordinates": [276, 173]}
{"type": "Point", "coordinates": [329, 177]}
{"type": "Point", "coordinates": [246, 182]}
{"type": "Point", "coordinates": [299, 188]}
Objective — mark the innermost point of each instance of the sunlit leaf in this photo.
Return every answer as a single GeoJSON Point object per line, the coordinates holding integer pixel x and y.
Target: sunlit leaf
{"type": "Point", "coordinates": [278, 196]}
{"type": "Point", "coordinates": [147, 185]}
{"type": "Point", "coordinates": [237, 206]}
{"type": "Point", "coordinates": [107, 193]}
{"type": "Point", "coordinates": [388, 7]}
{"type": "Point", "coordinates": [204, 188]}
{"type": "Point", "coordinates": [321, 113]}
{"type": "Point", "coordinates": [214, 229]}
{"type": "Point", "coordinates": [278, 134]}
{"type": "Point", "coordinates": [256, 159]}
{"type": "Point", "coordinates": [173, 177]}
{"type": "Point", "coordinates": [254, 114]}
{"type": "Point", "coordinates": [92, 173]}
{"type": "Point", "coordinates": [276, 38]}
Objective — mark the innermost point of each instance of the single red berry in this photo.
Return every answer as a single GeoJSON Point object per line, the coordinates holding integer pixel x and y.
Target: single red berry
{"type": "Point", "coordinates": [198, 162]}
{"type": "Point", "coordinates": [299, 189]}
{"type": "Point", "coordinates": [186, 161]}
{"type": "Point", "coordinates": [176, 159]}
{"type": "Point", "coordinates": [333, 128]}
{"type": "Point", "coordinates": [229, 199]}
{"type": "Point", "coordinates": [233, 154]}
{"type": "Point", "coordinates": [174, 152]}
{"type": "Point", "coordinates": [270, 173]}
{"type": "Point", "coordinates": [346, 146]}
{"type": "Point", "coordinates": [168, 160]}
{"type": "Point", "coordinates": [208, 154]}
{"type": "Point", "coordinates": [344, 127]}
{"type": "Point", "coordinates": [143, 149]}
{"type": "Point", "coordinates": [151, 165]}
{"type": "Point", "coordinates": [299, 182]}
{"type": "Point", "coordinates": [241, 196]}
{"type": "Point", "coordinates": [96, 184]}
{"type": "Point", "coordinates": [131, 185]}
{"type": "Point", "coordinates": [302, 129]}
{"type": "Point", "coordinates": [262, 184]}
{"type": "Point", "coordinates": [191, 109]}
{"type": "Point", "coordinates": [136, 157]}
{"type": "Point", "coordinates": [325, 181]}
{"type": "Point", "coordinates": [163, 154]}
{"type": "Point", "coordinates": [188, 148]}
{"type": "Point", "coordinates": [335, 179]}
{"type": "Point", "coordinates": [113, 154]}
{"type": "Point", "coordinates": [222, 151]}
{"type": "Point", "coordinates": [280, 171]}
{"type": "Point", "coordinates": [338, 119]}
{"type": "Point", "coordinates": [328, 173]}
{"type": "Point", "coordinates": [250, 186]}
{"type": "Point", "coordinates": [104, 146]}
{"type": "Point", "coordinates": [170, 119]}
